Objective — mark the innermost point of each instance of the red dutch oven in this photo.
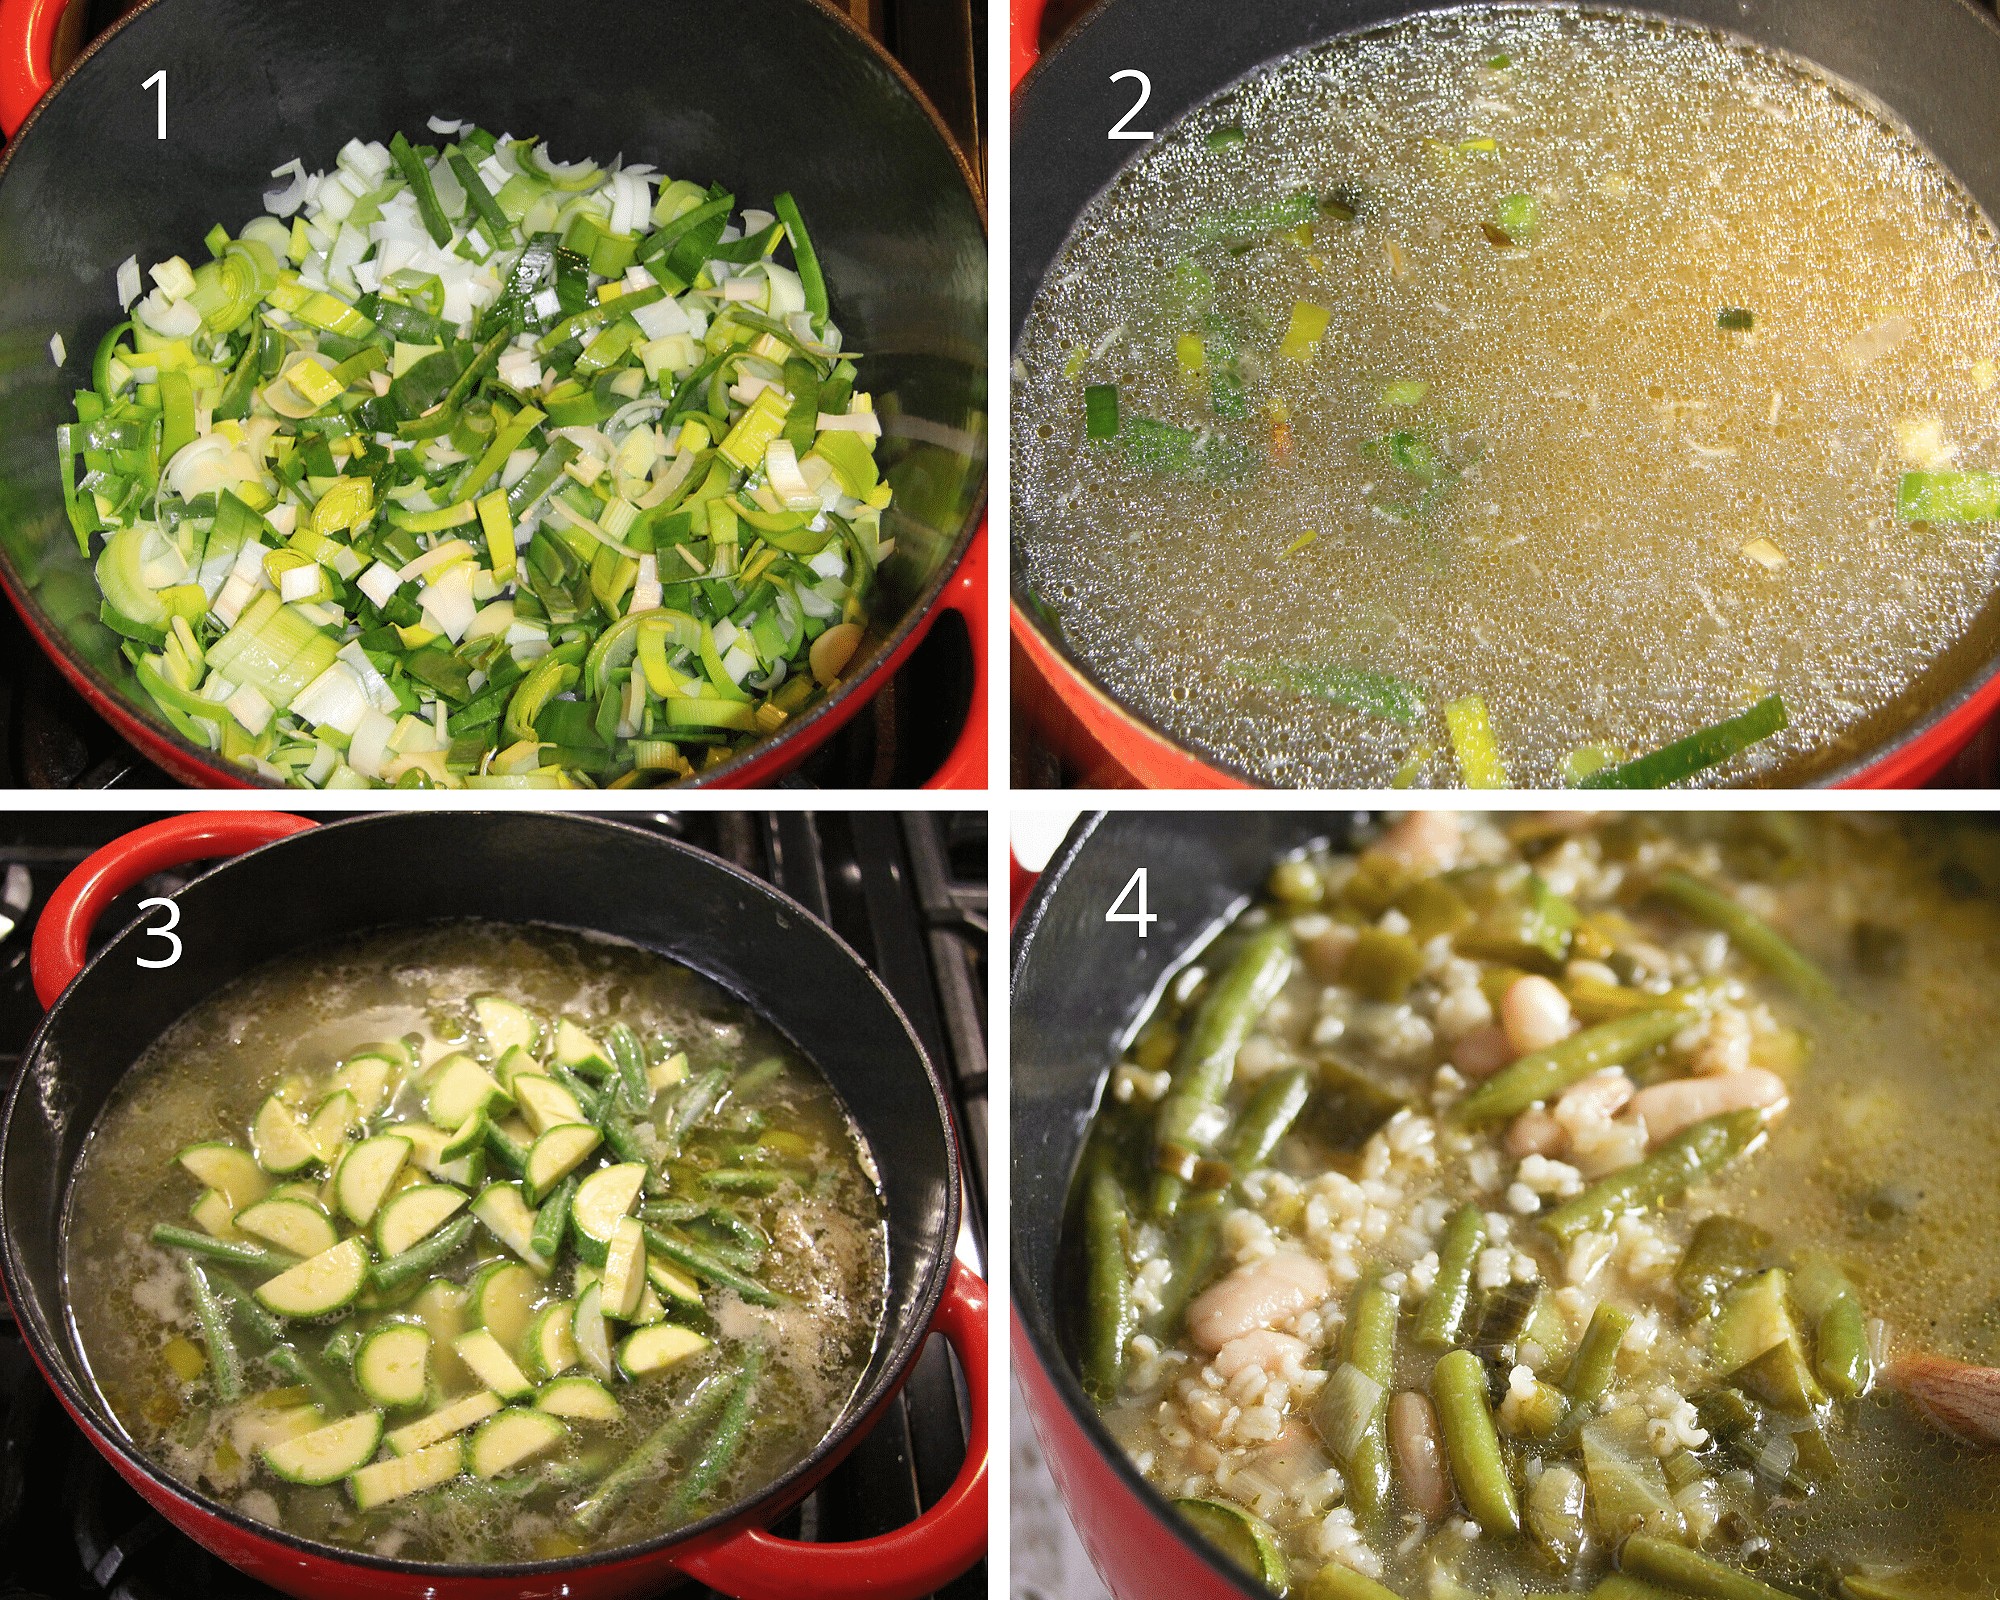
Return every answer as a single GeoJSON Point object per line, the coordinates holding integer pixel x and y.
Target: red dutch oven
{"type": "Point", "coordinates": [1079, 987]}
{"type": "Point", "coordinates": [1932, 62]}
{"type": "Point", "coordinates": [576, 872]}
{"type": "Point", "coordinates": [800, 99]}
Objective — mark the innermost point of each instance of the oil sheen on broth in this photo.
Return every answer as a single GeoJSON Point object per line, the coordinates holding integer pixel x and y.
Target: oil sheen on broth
{"type": "Point", "coordinates": [207, 1077]}
{"type": "Point", "coordinates": [1626, 521]}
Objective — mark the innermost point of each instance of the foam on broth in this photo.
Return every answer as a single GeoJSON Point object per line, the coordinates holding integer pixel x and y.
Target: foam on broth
{"type": "Point", "coordinates": [1586, 572]}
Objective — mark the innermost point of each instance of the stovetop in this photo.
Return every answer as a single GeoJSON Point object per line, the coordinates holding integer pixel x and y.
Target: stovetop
{"type": "Point", "coordinates": [908, 891]}
{"type": "Point", "coordinates": [51, 739]}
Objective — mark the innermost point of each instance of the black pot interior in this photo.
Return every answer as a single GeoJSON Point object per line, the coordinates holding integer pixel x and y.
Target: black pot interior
{"type": "Point", "coordinates": [786, 96]}
{"type": "Point", "coordinates": [1932, 63]}
{"type": "Point", "coordinates": [572, 872]}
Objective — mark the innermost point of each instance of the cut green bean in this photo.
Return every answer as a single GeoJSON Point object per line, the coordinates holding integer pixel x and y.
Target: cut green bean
{"type": "Point", "coordinates": [649, 1459]}
{"type": "Point", "coordinates": [720, 1452]}
{"type": "Point", "coordinates": [1206, 1060]}
{"type": "Point", "coordinates": [1458, 1388]}
{"type": "Point", "coordinates": [1544, 1074]}
{"type": "Point", "coordinates": [225, 1361]}
{"type": "Point", "coordinates": [1842, 1356]}
{"type": "Point", "coordinates": [635, 1089]}
{"type": "Point", "coordinates": [1750, 933]}
{"type": "Point", "coordinates": [1692, 1572]}
{"type": "Point", "coordinates": [289, 1363]}
{"type": "Point", "coordinates": [1621, 1586]}
{"type": "Point", "coordinates": [588, 1100]}
{"type": "Point", "coordinates": [1108, 1317]}
{"type": "Point", "coordinates": [1269, 1117]}
{"type": "Point", "coordinates": [267, 1327]}
{"type": "Point", "coordinates": [1669, 1172]}
{"type": "Point", "coordinates": [1594, 1367]}
{"type": "Point", "coordinates": [1451, 1291]}
{"type": "Point", "coordinates": [621, 1138]}
{"type": "Point", "coordinates": [698, 1097]}
{"type": "Point", "coordinates": [419, 1259]}
{"type": "Point", "coordinates": [252, 1256]}
{"type": "Point", "coordinates": [1371, 1347]}
{"type": "Point", "coordinates": [703, 1264]}
{"type": "Point", "coordinates": [1337, 1582]}
{"type": "Point", "coordinates": [552, 1219]}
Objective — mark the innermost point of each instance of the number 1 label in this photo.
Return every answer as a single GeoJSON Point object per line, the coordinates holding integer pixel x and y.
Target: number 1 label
{"type": "Point", "coordinates": [159, 81]}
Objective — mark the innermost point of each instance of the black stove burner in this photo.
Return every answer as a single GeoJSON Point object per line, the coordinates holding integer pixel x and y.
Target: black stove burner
{"type": "Point", "coordinates": [907, 891]}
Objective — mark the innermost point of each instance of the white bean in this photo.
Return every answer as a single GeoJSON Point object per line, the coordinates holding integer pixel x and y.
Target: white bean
{"type": "Point", "coordinates": [1482, 1052]}
{"type": "Point", "coordinates": [1680, 1103]}
{"type": "Point", "coordinates": [1413, 1433]}
{"type": "Point", "coordinates": [1535, 1014]}
{"type": "Point", "coordinates": [1425, 841]}
{"type": "Point", "coordinates": [1535, 1132]}
{"type": "Point", "coordinates": [1256, 1296]}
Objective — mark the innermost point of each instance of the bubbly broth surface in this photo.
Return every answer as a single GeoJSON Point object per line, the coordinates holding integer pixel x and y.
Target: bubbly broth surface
{"type": "Point", "coordinates": [1552, 471]}
{"type": "Point", "coordinates": [806, 1224]}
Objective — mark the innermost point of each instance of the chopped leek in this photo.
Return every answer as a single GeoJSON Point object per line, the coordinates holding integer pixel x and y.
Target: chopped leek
{"type": "Point", "coordinates": [1700, 750]}
{"type": "Point", "coordinates": [1734, 319]}
{"type": "Point", "coordinates": [1100, 411]}
{"type": "Point", "coordinates": [1949, 497]}
{"type": "Point", "coordinates": [1302, 337]}
{"type": "Point", "coordinates": [1472, 741]}
{"type": "Point", "coordinates": [1380, 694]}
{"type": "Point", "coordinates": [365, 492]}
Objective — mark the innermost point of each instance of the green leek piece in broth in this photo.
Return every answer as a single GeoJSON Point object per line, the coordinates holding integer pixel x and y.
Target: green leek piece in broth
{"type": "Point", "coordinates": [1100, 411]}
{"type": "Point", "coordinates": [1734, 319]}
{"type": "Point", "coordinates": [1380, 694]}
{"type": "Point", "coordinates": [1301, 342]}
{"type": "Point", "coordinates": [1405, 392]}
{"type": "Point", "coordinates": [1161, 447]}
{"type": "Point", "coordinates": [1224, 138]}
{"type": "Point", "coordinates": [1472, 741]}
{"type": "Point", "coordinates": [1699, 751]}
{"type": "Point", "coordinates": [1949, 497]}
{"type": "Point", "coordinates": [1189, 353]}
{"type": "Point", "coordinates": [1518, 218]}
{"type": "Point", "coordinates": [1241, 221]}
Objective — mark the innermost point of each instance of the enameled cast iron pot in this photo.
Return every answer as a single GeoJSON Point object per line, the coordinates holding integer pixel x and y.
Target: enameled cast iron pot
{"type": "Point", "coordinates": [574, 872]}
{"type": "Point", "coordinates": [1080, 986]}
{"type": "Point", "coordinates": [780, 94]}
{"type": "Point", "coordinates": [1931, 62]}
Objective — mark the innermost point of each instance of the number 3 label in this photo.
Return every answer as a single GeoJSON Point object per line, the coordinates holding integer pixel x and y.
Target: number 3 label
{"type": "Point", "coordinates": [1119, 130]}
{"type": "Point", "coordinates": [164, 931]}
{"type": "Point", "coordinates": [1137, 882]}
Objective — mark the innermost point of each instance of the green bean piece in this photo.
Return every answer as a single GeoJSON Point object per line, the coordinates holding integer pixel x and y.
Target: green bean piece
{"type": "Point", "coordinates": [1595, 1365]}
{"type": "Point", "coordinates": [720, 1451]}
{"type": "Point", "coordinates": [1336, 1582]}
{"type": "Point", "coordinates": [225, 1361]}
{"type": "Point", "coordinates": [698, 1097]}
{"type": "Point", "coordinates": [1544, 1074]}
{"type": "Point", "coordinates": [1193, 1259]}
{"type": "Point", "coordinates": [1751, 934]}
{"type": "Point", "coordinates": [289, 1363]}
{"type": "Point", "coordinates": [552, 1218]}
{"type": "Point", "coordinates": [685, 1253]}
{"type": "Point", "coordinates": [736, 1180]}
{"type": "Point", "coordinates": [756, 1077]}
{"type": "Point", "coordinates": [1451, 1292]}
{"type": "Point", "coordinates": [1722, 1252]}
{"type": "Point", "coordinates": [1621, 1587]}
{"type": "Point", "coordinates": [635, 1089]}
{"type": "Point", "coordinates": [1458, 1387]}
{"type": "Point", "coordinates": [673, 1210]}
{"type": "Point", "coordinates": [1841, 1354]}
{"type": "Point", "coordinates": [232, 1255]}
{"type": "Point", "coordinates": [1371, 1347]}
{"type": "Point", "coordinates": [621, 1138]}
{"type": "Point", "coordinates": [1269, 1117]}
{"type": "Point", "coordinates": [421, 1258]}
{"type": "Point", "coordinates": [266, 1325]}
{"type": "Point", "coordinates": [1108, 1318]}
{"type": "Point", "coordinates": [1686, 1159]}
{"type": "Point", "coordinates": [1692, 1572]}
{"type": "Point", "coordinates": [588, 1100]}
{"type": "Point", "coordinates": [649, 1458]}
{"type": "Point", "coordinates": [1206, 1060]}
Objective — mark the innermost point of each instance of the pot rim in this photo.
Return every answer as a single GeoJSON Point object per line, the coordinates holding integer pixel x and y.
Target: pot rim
{"type": "Point", "coordinates": [1898, 753]}
{"type": "Point", "coordinates": [759, 1509]}
{"type": "Point", "coordinates": [1034, 1318]}
{"type": "Point", "coordinates": [162, 743]}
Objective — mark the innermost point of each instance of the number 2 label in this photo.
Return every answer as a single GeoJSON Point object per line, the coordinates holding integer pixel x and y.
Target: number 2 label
{"type": "Point", "coordinates": [1134, 884]}
{"type": "Point", "coordinates": [164, 931]}
{"type": "Point", "coordinates": [1120, 128]}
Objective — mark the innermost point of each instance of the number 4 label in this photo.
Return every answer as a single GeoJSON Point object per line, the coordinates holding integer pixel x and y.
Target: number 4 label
{"type": "Point", "coordinates": [1135, 883]}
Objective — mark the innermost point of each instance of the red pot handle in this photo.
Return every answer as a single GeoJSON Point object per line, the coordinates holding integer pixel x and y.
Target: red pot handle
{"type": "Point", "coordinates": [1026, 28]}
{"type": "Point", "coordinates": [62, 936]}
{"type": "Point", "coordinates": [965, 767]}
{"type": "Point", "coordinates": [27, 57]}
{"type": "Point", "coordinates": [912, 1561]}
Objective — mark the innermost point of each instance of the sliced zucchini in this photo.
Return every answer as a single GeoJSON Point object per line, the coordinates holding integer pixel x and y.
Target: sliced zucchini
{"type": "Point", "coordinates": [654, 1349]}
{"type": "Point", "coordinates": [583, 1398]}
{"type": "Point", "coordinates": [624, 1269]}
{"type": "Point", "coordinates": [413, 1214]}
{"type": "Point", "coordinates": [338, 1115]}
{"type": "Point", "coordinates": [365, 1174]}
{"type": "Point", "coordinates": [506, 1026]}
{"type": "Point", "coordinates": [502, 1300]}
{"type": "Point", "coordinates": [261, 1425]}
{"type": "Point", "coordinates": [297, 1226]}
{"type": "Point", "coordinates": [548, 1349]}
{"type": "Point", "coordinates": [673, 1284]}
{"type": "Point", "coordinates": [440, 1304]}
{"type": "Point", "coordinates": [469, 1138]}
{"type": "Point", "coordinates": [669, 1072]}
{"type": "Point", "coordinates": [392, 1367]}
{"type": "Point", "coordinates": [368, 1075]}
{"type": "Point", "coordinates": [580, 1052]}
{"type": "Point", "coordinates": [510, 1219]}
{"type": "Point", "coordinates": [443, 1422]}
{"type": "Point", "coordinates": [319, 1285]}
{"type": "Point", "coordinates": [422, 1469]}
{"type": "Point", "coordinates": [223, 1167]}
{"type": "Point", "coordinates": [212, 1213]}
{"type": "Point", "coordinates": [459, 1086]}
{"type": "Point", "coordinates": [593, 1338]}
{"type": "Point", "coordinates": [492, 1366]}
{"type": "Point", "coordinates": [650, 1311]}
{"type": "Point", "coordinates": [279, 1138]}
{"type": "Point", "coordinates": [507, 1440]}
{"type": "Point", "coordinates": [556, 1154]}
{"type": "Point", "coordinates": [326, 1455]}
{"type": "Point", "coordinates": [602, 1200]}
{"type": "Point", "coordinates": [427, 1150]}
{"type": "Point", "coordinates": [299, 1189]}
{"type": "Point", "coordinates": [545, 1103]}
{"type": "Point", "coordinates": [514, 1064]}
